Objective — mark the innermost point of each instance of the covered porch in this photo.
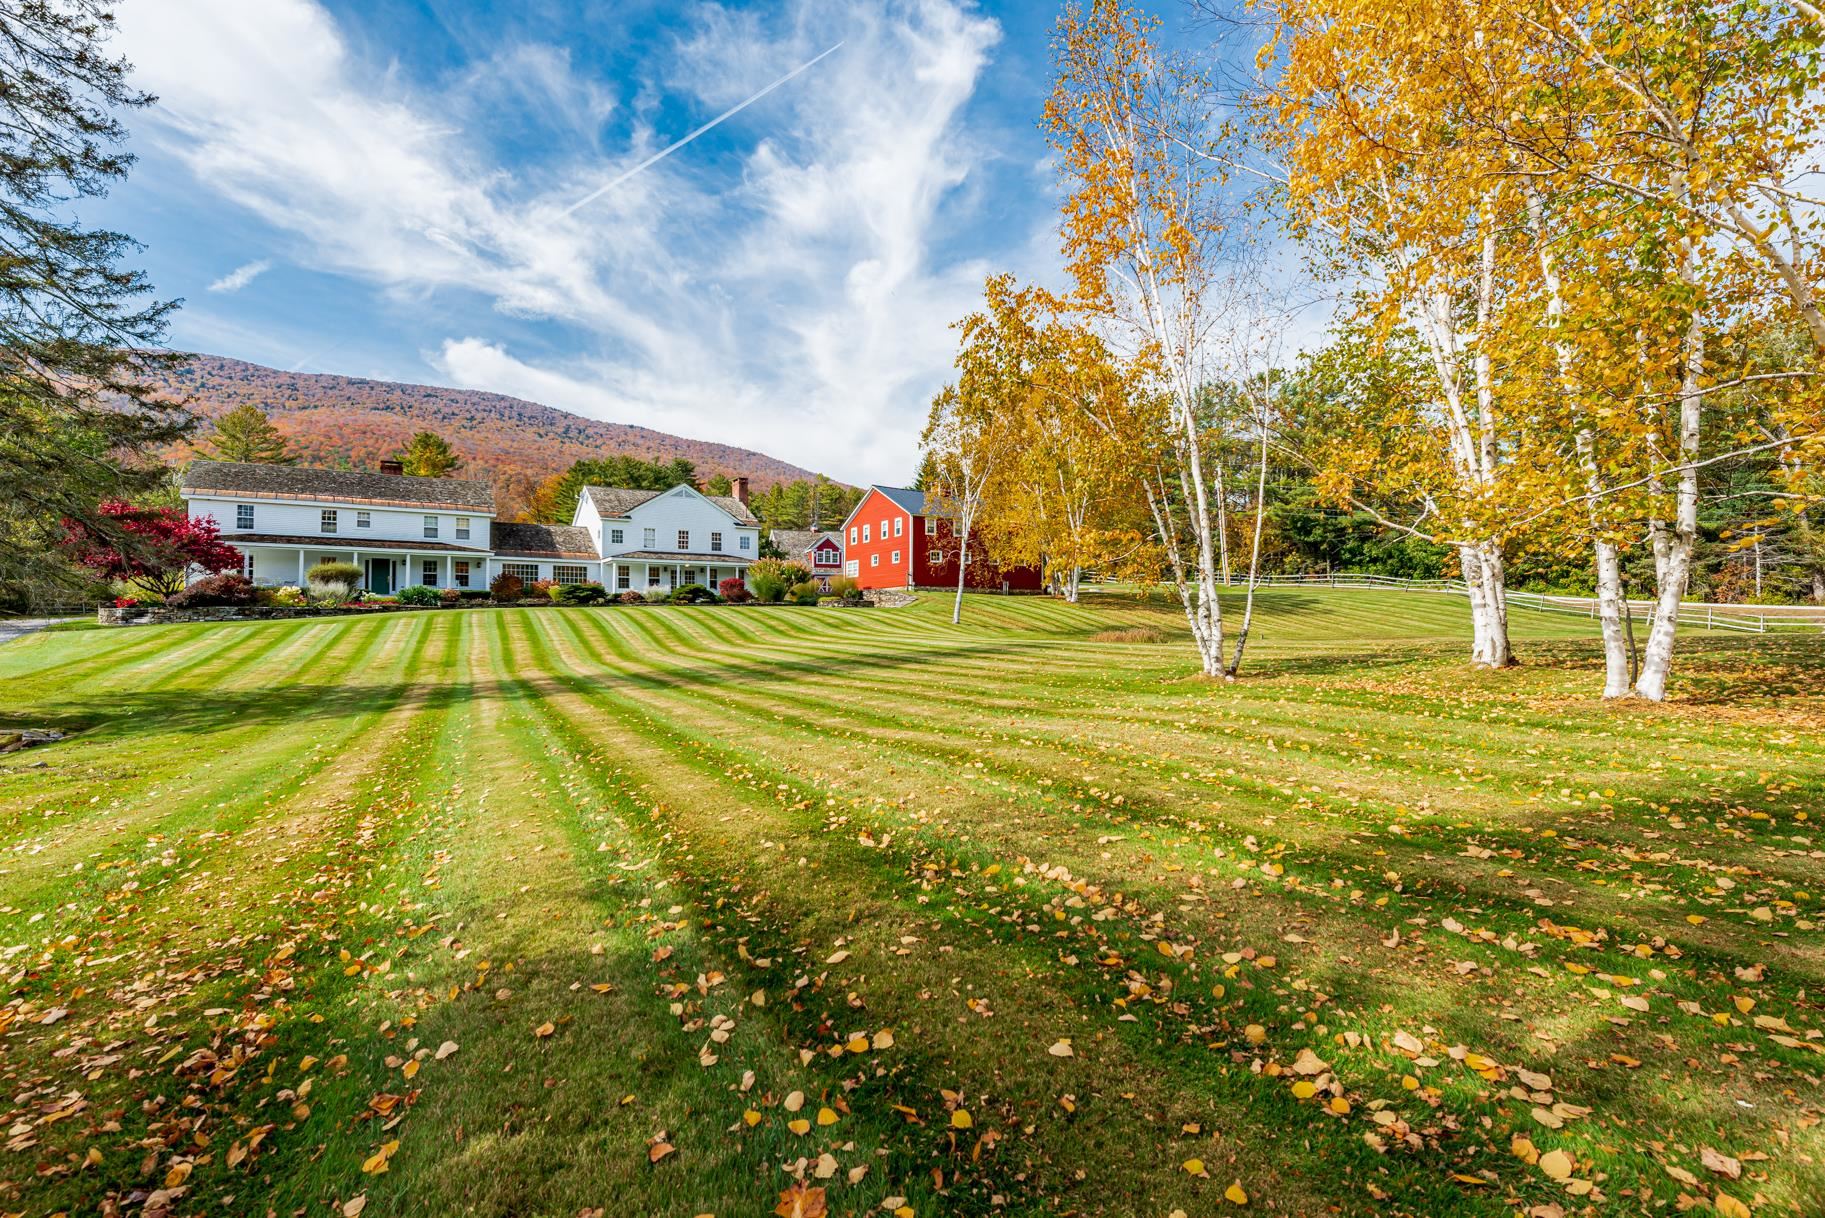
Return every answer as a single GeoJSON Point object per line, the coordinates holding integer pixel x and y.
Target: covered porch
{"type": "Point", "coordinates": [385, 568]}
{"type": "Point", "coordinates": [660, 572]}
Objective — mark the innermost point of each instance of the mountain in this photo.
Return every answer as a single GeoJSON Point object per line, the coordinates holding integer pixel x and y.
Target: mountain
{"type": "Point", "coordinates": [516, 444]}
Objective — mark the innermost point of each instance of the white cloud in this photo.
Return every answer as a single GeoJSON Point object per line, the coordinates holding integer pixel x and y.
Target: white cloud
{"type": "Point", "coordinates": [241, 276]}
{"type": "Point", "coordinates": [795, 306]}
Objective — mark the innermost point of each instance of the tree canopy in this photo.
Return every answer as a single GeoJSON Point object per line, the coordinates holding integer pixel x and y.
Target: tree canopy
{"type": "Point", "coordinates": [79, 329]}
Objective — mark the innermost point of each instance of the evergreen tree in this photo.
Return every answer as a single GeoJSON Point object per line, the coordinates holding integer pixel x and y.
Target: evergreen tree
{"type": "Point", "coordinates": [429, 455]}
{"type": "Point", "coordinates": [246, 434]}
{"type": "Point", "coordinates": [718, 484]}
{"type": "Point", "coordinates": [79, 332]}
{"type": "Point", "coordinates": [556, 499]}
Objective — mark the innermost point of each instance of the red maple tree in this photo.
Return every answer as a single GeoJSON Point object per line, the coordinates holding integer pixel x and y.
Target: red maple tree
{"type": "Point", "coordinates": [150, 548]}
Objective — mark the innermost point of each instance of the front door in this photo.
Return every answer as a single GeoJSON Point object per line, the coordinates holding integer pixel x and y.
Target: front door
{"type": "Point", "coordinates": [380, 576]}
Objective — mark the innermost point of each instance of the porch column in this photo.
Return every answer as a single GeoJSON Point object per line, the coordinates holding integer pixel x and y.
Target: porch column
{"type": "Point", "coordinates": [300, 566]}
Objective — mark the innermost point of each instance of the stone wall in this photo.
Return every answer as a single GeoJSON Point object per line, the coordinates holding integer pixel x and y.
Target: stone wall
{"type": "Point", "coordinates": [158, 615]}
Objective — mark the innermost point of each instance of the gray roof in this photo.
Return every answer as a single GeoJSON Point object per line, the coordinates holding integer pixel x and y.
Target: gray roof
{"type": "Point", "coordinates": [618, 501]}
{"type": "Point", "coordinates": [252, 481]}
{"type": "Point", "coordinates": [800, 541]}
{"type": "Point", "coordinates": [905, 497]}
{"type": "Point", "coordinates": [543, 541]}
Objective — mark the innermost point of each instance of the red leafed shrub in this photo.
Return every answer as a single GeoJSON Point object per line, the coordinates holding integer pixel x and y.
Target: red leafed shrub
{"type": "Point", "coordinates": [151, 548]}
{"type": "Point", "coordinates": [125, 602]}
{"type": "Point", "coordinates": [734, 591]}
{"type": "Point", "coordinates": [216, 590]}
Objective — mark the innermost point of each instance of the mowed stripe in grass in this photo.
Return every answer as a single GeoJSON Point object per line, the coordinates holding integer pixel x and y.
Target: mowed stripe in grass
{"type": "Point", "coordinates": [1009, 832]}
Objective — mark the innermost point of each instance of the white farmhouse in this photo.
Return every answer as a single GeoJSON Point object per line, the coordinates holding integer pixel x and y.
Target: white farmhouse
{"type": "Point", "coordinates": [441, 532]}
{"type": "Point", "coordinates": [666, 539]}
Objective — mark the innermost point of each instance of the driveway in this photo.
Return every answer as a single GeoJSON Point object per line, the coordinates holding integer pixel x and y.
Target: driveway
{"type": "Point", "coordinates": [12, 627]}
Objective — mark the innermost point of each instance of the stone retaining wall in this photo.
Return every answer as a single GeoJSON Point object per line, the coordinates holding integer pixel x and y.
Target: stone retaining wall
{"type": "Point", "coordinates": [159, 615]}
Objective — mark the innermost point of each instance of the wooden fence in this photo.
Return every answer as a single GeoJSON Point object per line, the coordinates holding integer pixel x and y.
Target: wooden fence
{"type": "Point", "coordinates": [1750, 619]}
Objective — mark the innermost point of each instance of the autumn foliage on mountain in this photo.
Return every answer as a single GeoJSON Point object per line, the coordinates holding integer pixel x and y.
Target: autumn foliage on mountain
{"type": "Point", "coordinates": [516, 444]}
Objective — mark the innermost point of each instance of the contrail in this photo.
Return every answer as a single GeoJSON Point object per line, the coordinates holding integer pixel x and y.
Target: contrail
{"type": "Point", "coordinates": [599, 191]}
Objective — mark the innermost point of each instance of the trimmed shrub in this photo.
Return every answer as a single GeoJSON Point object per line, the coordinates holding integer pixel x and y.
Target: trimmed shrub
{"type": "Point", "coordinates": [541, 589]}
{"type": "Point", "coordinates": [805, 593]}
{"type": "Point", "coordinates": [418, 594]}
{"type": "Point", "coordinates": [658, 596]}
{"type": "Point", "coordinates": [450, 596]}
{"type": "Point", "coordinates": [215, 590]}
{"type": "Point", "coordinates": [332, 580]}
{"type": "Point", "coordinates": [693, 594]}
{"type": "Point", "coordinates": [580, 594]}
{"type": "Point", "coordinates": [734, 590]}
{"type": "Point", "coordinates": [506, 587]}
{"type": "Point", "coordinates": [631, 598]}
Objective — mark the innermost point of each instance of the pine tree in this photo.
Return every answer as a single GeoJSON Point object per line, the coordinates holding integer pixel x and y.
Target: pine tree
{"type": "Point", "coordinates": [246, 434]}
{"type": "Point", "coordinates": [79, 335]}
{"type": "Point", "coordinates": [429, 455]}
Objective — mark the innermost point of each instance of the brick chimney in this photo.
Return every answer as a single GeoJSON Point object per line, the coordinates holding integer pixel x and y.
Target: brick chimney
{"type": "Point", "coordinates": [741, 490]}
{"type": "Point", "coordinates": [392, 467]}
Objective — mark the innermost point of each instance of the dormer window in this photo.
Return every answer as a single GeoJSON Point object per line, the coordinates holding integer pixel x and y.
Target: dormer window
{"type": "Point", "coordinates": [430, 527]}
{"type": "Point", "coordinates": [462, 528]}
{"type": "Point", "coordinates": [326, 521]}
{"type": "Point", "coordinates": [364, 520]}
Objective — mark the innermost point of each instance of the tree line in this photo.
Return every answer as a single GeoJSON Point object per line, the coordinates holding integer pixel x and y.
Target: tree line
{"type": "Point", "coordinates": [1574, 255]}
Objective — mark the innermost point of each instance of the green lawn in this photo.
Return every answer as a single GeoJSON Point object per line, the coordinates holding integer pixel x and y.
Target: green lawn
{"type": "Point", "coordinates": [529, 912]}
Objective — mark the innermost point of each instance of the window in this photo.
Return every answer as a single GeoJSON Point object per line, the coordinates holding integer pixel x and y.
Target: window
{"type": "Point", "coordinates": [430, 526]}
{"type": "Point", "coordinates": [874, 560]}
{"type": "Point", "coordinates": [935, 558]}
{"type": "Point", "coordinates": [899, 526]}
{"type": "Point", "coordinates": [931, 526]}
{"type": "Point", "coordinates": [615, 536]}
{"type": "Point", "coordinates": [461, 569]}
{"type": "Point", "coordinates": [364, 520]}
{"type": "Point", "coordinates": [883, 528]}
{"type": "Point", "coordinates": [716, 541]}
{"type": "Point", "coordinates": [852, 534]}
{"type": "Point", "coordinates": [896, 558]}
{"type": "Point", "coordinates": [684, 539]}
{"type": "Point", "coordinates": [526, 571]}
{"type": "Point", "coordinates": [567, 574]}
{"type": "Point", "coordinates": [462, 528]}
{"type": "Point", "coordinates": [747, 542]}
{"type": "Point", "coordinates": [430, 570]}
{"type": "Point", "coordinates": [865, 534]}
{"type": "Point", "coordinates": [649, 538]}
{"type": "Point", "coordinates": [243, 515]}
{"type": "Point", "coordinates": [328, 520]}
{"type": "Point", "coordinates": [621, 579]}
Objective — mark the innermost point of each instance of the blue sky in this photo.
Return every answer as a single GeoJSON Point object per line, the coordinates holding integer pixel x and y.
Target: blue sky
{"type": "Point", "coordinates": [384, 189]}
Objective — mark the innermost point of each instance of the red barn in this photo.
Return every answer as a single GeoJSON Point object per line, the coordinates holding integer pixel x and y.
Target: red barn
{"type": "Point", "coordinates": [890, 541]}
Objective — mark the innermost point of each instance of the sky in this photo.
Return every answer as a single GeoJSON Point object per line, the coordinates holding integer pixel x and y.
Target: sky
{"type": "Point", "coordinates": [452, 193]}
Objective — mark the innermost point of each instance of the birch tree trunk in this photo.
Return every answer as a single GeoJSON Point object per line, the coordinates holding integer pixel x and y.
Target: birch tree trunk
{"type": "Point", "coordinates": [963, 560]}
{"type": "Point", "coordinates": [1673, 548]}
{"type": "Point", "coordinates": [1618, 656]}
